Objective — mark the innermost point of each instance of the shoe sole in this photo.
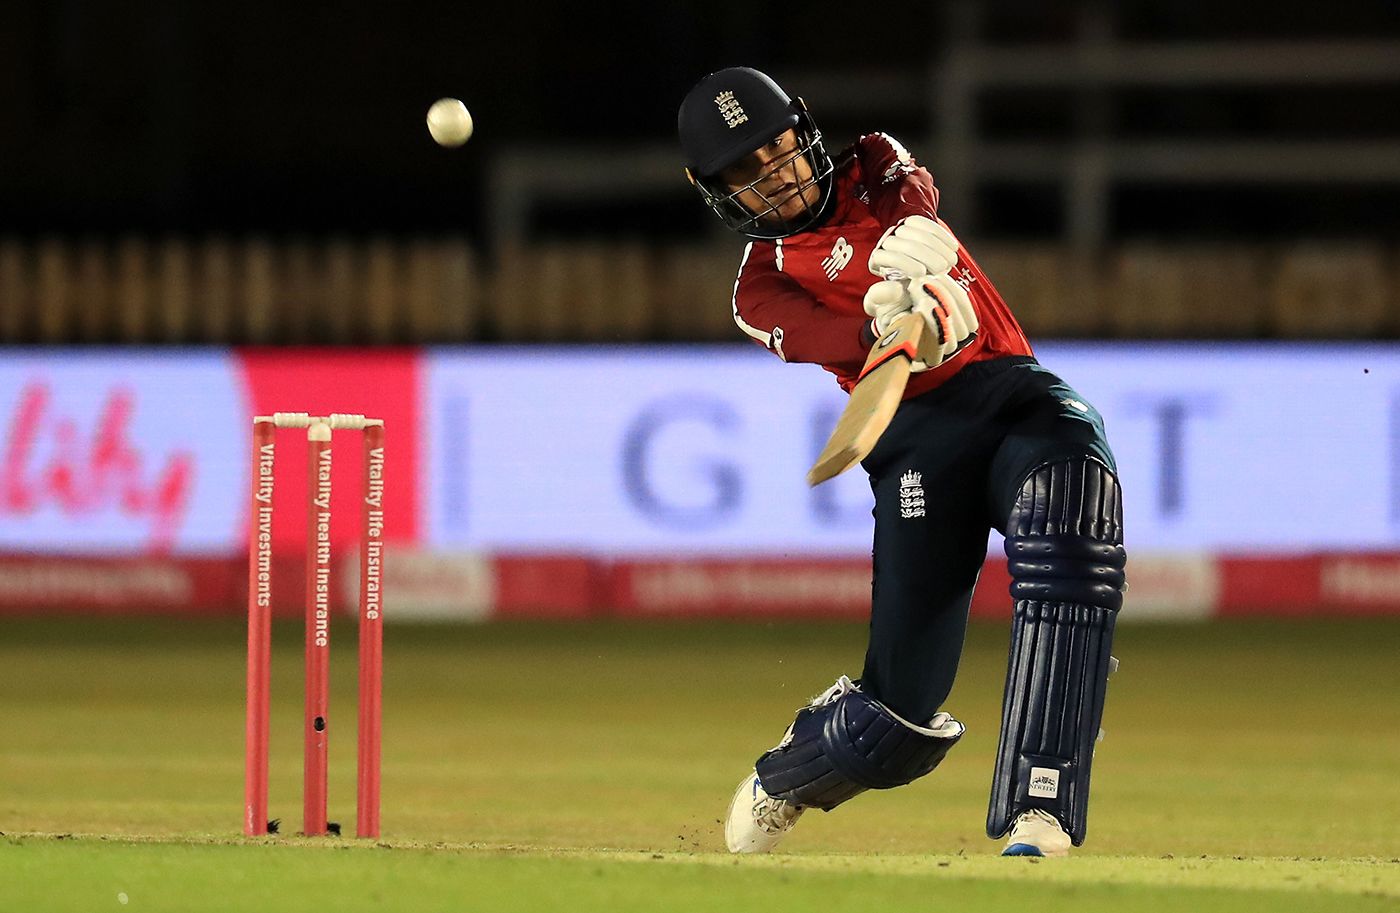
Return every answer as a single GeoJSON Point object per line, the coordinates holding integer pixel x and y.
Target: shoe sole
{"type": "Point", "coordinates": [1022, 849]}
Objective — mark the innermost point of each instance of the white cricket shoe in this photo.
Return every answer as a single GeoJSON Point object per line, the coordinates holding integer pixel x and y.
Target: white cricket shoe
{"type": "Point", "coordinates": [756, 820]}
{"type": "Point", "coordinates": [1036, 833]}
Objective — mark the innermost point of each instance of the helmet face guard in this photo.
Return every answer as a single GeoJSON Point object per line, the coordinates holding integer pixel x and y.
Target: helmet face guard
{"type": "Point", "coordinates": [766, 223]}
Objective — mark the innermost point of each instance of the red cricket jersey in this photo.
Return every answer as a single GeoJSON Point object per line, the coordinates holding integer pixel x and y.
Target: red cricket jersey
{"type": "Point", "coordinates": [802, 296]}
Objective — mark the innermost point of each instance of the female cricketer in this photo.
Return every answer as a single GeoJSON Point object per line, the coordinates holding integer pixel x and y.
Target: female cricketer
{"type": "Point", "coordinates": [984, 438]}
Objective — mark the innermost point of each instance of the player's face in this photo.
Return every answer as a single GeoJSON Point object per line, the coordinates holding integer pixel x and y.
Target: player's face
{"type": "Point", "coordinates": [775, 181]}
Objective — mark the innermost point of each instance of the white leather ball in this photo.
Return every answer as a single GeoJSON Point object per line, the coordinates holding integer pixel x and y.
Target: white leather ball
{"type": "Point", "coordinates": [449, 122]}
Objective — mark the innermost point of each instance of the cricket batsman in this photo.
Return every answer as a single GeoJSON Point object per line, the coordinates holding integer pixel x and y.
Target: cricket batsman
{"type": "Point", "coordinates": [984, 437]}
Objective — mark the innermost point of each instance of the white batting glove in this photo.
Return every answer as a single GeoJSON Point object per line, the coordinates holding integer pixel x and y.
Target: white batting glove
{"type": "Point", "coordinates": [951, 317]}
{"type": "Point", "coordinates": [886, 301]}
{"type": "Point", "coordinates": [917, 246]}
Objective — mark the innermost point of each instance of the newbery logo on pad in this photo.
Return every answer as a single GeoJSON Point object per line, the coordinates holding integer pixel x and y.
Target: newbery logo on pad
{"type": "Point", "coordinates": [1045, 783]}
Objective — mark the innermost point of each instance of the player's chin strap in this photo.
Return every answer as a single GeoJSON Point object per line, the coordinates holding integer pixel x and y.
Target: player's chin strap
{"type": "Point", "coordinates": [1064, 542]}
{"type": "Point", "coordinates": [846, 742]}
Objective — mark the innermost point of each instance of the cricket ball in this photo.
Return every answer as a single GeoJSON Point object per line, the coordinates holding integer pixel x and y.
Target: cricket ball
{"type": "Point", "coordinates": [449, 122]}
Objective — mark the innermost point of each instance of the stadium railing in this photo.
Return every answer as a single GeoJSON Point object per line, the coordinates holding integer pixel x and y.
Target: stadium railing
{"type": "Point", "coordinates": [381, 291]}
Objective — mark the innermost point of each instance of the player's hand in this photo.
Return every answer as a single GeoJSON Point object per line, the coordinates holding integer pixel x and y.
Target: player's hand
{"type": "Point", "coordinates": [915, 247]}
{"type": "Point", "coordinates": [886, 301]}
{"type": "Point", "coordinates": [951, 317]}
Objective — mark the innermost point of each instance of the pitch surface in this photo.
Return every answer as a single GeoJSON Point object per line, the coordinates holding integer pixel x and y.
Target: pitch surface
{"type": "Point", "coordinates": [585, 766]}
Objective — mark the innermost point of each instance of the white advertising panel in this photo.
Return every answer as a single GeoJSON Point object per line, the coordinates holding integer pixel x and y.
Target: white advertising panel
{"type": "Point", "coordinates": [698, 449]}
{"type": "Point", "coordinates": [109, 452]}
{"type": "Point", "coordinates": [703, 449]}
{"type": "Point", "coordinates": [694, 450]}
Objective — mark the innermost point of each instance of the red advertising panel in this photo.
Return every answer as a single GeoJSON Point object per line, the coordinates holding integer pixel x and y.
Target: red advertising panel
{"type": "Point", "coordinates": [379, 384]}
{"type": "Point", "coordinates": [1305, 585]}
{"type": "Point", "coordinates": [149, 585]}
{"type": "Point", "coordinates": [838, 587]}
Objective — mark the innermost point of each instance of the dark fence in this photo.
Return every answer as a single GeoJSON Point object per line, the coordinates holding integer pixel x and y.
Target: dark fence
{"type": "Point", "coordinates": [288, 292]}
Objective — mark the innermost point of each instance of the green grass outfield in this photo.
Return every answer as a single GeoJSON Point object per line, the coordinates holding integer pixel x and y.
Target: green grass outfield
{"type": "Point", "coordinates": [1247, 766]}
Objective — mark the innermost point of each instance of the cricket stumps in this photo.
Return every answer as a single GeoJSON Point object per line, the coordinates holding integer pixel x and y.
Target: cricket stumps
{"type": "Point", "coordinates": [316, 717]}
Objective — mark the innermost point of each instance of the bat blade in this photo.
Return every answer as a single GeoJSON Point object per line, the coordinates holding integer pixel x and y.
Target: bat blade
{"type": "Point", "coordinates": [873, 400]}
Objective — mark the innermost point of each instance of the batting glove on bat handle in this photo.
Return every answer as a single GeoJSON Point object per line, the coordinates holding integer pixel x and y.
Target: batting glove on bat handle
{"type": "Point", "coordinates": [885, 302]}
{"type": "Point", "coordinates": [916, 246]}
{"type": "Point", "coordinates": [948, 309]}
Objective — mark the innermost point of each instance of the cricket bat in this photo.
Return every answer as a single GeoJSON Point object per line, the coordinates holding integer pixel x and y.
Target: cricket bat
{"type": "Point", "coordinates": [877, 394]}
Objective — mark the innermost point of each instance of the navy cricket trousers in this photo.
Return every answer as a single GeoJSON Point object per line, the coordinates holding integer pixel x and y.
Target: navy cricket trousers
{"type": "Point", "coordinates": [946, 472]}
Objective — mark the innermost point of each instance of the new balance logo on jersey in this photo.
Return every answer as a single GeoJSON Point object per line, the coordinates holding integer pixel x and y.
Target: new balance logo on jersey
{"type": "Point", "coordinates": [911, 495]}
{"type": "Point", "coordinates": [730, 109]}
{"type": "Point", "coordinates": [840, 256]}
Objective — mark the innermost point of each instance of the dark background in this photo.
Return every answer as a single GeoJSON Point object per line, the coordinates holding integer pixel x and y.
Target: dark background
{"type": "Point", "coordinates": [285, 117]}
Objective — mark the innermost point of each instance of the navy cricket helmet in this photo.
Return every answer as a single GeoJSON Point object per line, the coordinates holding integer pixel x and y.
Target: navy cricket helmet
{"type": "Point", "coordinates": [732, 113]}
